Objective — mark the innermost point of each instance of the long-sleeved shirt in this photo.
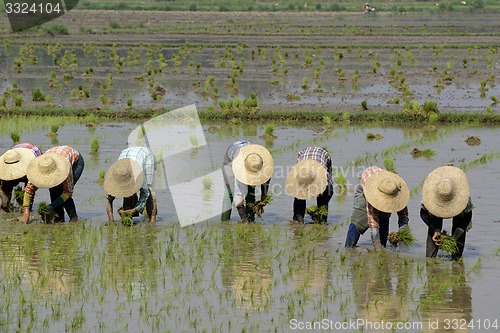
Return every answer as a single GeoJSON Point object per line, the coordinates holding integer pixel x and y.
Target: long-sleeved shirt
{"type": "Point", "coordinates": [234, 149]}
{"type": "Point", "coordinates": [145, 158]}
{"type": "Point", "coordinates": [319, 155]}
{"type": "Point", "coordinates": [372, 212]}
{"type": "Point", "coordinates": [72, 156]}
{"type": "Point", "coordinates": [36, 151]}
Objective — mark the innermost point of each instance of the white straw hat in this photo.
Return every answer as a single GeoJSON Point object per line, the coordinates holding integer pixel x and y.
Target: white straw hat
{"type": "Point", "coordinates": [124, 178]}
{"type": "Point", "coordinates": [306, 179]}
{"type": "Point", "coordinates": [48, 170]}
{"type": "Point", "coordinates": [14, 163]}
{"type": "Point", "coordinates": [386, 191]}
{"type": "Point", "coordinates": [253, 165]}
{"type": "Point", "coordinates": [446, 191]}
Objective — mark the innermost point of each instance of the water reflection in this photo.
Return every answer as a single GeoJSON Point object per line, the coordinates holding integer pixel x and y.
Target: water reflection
{"type": "Point", "coordinates": [447, 299]}
{"type": "Point", "coordinates": [246, 265]}
{"type": "Point", "coordinates": [380, 282]}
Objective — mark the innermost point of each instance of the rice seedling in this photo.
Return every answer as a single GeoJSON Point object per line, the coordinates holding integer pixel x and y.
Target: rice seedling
{"type": "Point", "coordinates": [269, 132]}
{"type": "Point", "coordinates": [100, 180]}
{"type": "Point", "coordinates": [45, 214]}
{"type": "Point", "coordinates": [448, 243]}
{"type": "Point", "coordinates": [258, 207]}
{"type": "Point", "coordinates": [94, 146]}
{"type": "Point", "coordinates": [207, 183]}
{"type": "Point", "coordinates": [318, 214]}
{"type": "Point", "coordinates": [15, 137]}
{"type": "Point", "coordinates": [403, 236]}
{"type": "Point", "coordinates": [19, 195]}
{"type": "Point", "coordinates": [371, 136]}
{"type": "Point", "coordinates": [389, 164]}
{"type": "Point", "coordinates": [18, 101]}
{"type": "Point", "coordinates": [53, 131]}
{"type": "Point", "coordinates": [364, 105]}
{"type": "Point", "coordinates": [341, 182]}
{"type": "Point", "coordinates": [195, 142]}
{"type": "Point", "coordinates": [427, 153]}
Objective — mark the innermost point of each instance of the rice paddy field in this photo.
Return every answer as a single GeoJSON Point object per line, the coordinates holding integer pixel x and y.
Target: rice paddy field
{"type": "Point", "coordinates": [272, 275]}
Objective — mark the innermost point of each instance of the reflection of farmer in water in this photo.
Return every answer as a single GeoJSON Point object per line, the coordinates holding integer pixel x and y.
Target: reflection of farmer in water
{"type": "Point", "coordinates": [377, 294]}
{"type": "Point", "coordinates": [246, 268]}
{"type": "Point", "coordinates": [447, 297]}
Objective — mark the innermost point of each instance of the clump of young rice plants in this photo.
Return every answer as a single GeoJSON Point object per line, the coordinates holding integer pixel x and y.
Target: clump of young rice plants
{"type": "Point", "coordinates": [15, 137]}
{"type": "Point", "coordinates": [269, 132]}
{"type": "Point", "coordinates": [37, 95]}
{"type": "Point", "coordinates": [448, 243]}
{"type": "Point", "coordinates": [318, 214]}
{"type": "Point", "coordinates": [389, 164]}
{"type": "Point", "coordinates": [427, 153]}
{"type": "Point", "coordinates": [100, 180]}
{"type": "Point", "coordinates": [403, 236]}
{"type": "Point", "coordinates": [258, 207]}
{"type": "Point", "coordinates": [341, 182]}
{"type": "Point", "coordinates": [94, 146]}
{"type": "Point", "coordinates": [53, 131]}
{"type": "Point", "coordinates": [371, 136]}
{"type": "Point", "coordinates": [19, 195]}
{"type": "Point", "coordinates": [45, 214]}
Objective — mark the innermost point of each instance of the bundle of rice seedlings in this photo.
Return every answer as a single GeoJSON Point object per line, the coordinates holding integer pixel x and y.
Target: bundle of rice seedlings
{"type": "Point", "coordinates": [45, 214]}
{"type": "Point", "coordinates": [403, 236]}
{"type": "Point", "coordinates": [317, 213]}
{"type": "Point", "coordinates": [126, 218]}
{"type": "Point", "coordinates": [258, 207]}
{"type": "Point", "coordinates": [448, 243]}
{"type": "Point", "coordinates": [19, 195]}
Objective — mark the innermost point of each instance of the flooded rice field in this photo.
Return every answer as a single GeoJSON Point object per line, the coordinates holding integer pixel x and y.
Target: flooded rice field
{"type": "Point", "coordinates": [271, 276]}
{"type": "Point", "coordinates": [287, 60]}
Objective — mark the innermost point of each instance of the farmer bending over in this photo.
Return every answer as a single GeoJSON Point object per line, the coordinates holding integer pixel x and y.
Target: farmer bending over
{"type": "Point", "coordinates": [446, 194]}
{"type": "Point", "coordinates": [133, 172]}
{"type": "Point", "coordinates": [379, 193]}
{"type": "Point", "coordinates": [58, 170]}
{"type": "Point", "coordinates": [310, 177]}
{"type": "Point", "coordinates": [13, 166]}
{"type": "Point", "coordinates": [251, 165]}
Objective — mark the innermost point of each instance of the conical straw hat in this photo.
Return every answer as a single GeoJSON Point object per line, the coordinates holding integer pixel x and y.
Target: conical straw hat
{"type": "Point", "coordinates": [446, 191]}
{"type": "Point", "coordinates": [48, 170]}
{"type": "Point", "coordinates": [14, 163]}
{"type": "Point", "coordinates": [124, 178]}
{"type": "Point", "coordinates": [253, 165]}
{"type": "Point", "coordinates": [386, 191]}
{"type": "Point", "coordinates": [306, 179]}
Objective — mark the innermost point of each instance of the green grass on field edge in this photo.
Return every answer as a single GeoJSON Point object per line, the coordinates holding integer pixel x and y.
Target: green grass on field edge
{"type": "Point", "coordinates": [282, 115]}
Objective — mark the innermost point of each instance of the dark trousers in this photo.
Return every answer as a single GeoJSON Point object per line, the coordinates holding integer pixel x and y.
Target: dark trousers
{"type": "Point", "coordinates": [131, 202]}
{"type": "Point", "coordinates": [383, 222]}
{"type": "Point", "coordinates": [68, 205]}
{"type": "Point", "coordinates": [249, 199]}
{"type": "Point", "coordinates": [460, 221]}
{"type": "Point", "coordinates": [299, 206]}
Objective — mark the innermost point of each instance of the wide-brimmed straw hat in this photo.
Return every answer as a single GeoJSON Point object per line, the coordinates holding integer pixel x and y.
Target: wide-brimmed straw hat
{"type": "Point", "coordinates": [446, 191]}
{"type": "Point", "coordinates": [386, 191]}
{"type": "Point", "coordinates": [124, 178]}
{"type": "Point", "coordinates": [253, 165]}
{"type": "Point", "coordinates": [48, 170]}
{"type": "Point", "coordinates": [306, 179]}
{"type": "Point", "coordinates": [14, 163]}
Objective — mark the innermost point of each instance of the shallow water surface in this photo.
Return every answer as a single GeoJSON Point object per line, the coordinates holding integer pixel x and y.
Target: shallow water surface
{"type": "Point", "coordinates": [269, 276]}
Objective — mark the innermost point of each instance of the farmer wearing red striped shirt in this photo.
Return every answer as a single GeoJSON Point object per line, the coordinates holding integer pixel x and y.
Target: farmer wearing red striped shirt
{"type": "Point", "coordinates": [58, 170]}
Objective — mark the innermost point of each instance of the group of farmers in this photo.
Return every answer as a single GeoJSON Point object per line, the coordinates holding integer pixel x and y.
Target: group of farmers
{"type": "Point", "coordinates": [60, 168]}
{"type": "Point", "coordinates": [445, 192]}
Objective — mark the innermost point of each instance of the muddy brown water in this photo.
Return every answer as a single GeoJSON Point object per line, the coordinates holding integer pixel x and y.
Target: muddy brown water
{"type": "Point", "coordinates": [270, 276]}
